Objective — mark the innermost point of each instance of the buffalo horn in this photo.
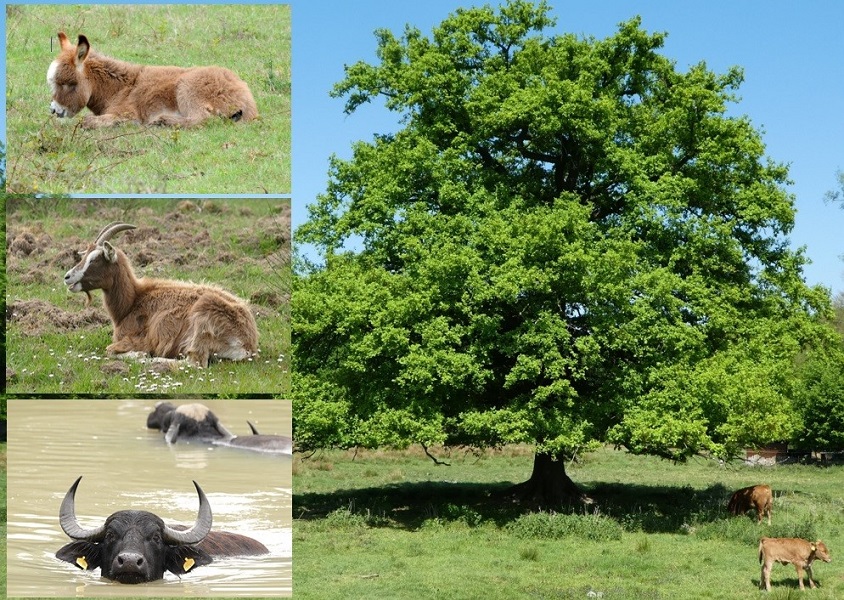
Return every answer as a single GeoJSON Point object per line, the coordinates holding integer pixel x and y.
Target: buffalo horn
{"type": "Point", "coordinates": [67, 518]}
{"type": "Point", "coordinates": [200, 528]}
{"type": "Point", "coordinates": [109, 230]}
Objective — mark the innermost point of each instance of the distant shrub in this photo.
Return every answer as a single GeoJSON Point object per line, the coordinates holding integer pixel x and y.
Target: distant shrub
{"type": "Point", "coordinates": [748, 532]}
{"type": "Point", "coordinates": [344, 518]}
{"type": "Point", "coordinates": [741, 530]}
{"type": "Point", "coordinates": [556, 526]}
{"type": "Point", "coordinates": [529, 554]}
{"type": "Point", "coordinates": [456, 512]}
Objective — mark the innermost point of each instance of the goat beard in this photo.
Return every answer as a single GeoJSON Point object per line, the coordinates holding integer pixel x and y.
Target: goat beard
{"type": "Point", "coordinates": [88, 299]}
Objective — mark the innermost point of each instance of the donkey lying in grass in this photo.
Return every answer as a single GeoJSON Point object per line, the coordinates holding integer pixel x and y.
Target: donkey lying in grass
{"type": "Point", "coordinates": [117, 91]}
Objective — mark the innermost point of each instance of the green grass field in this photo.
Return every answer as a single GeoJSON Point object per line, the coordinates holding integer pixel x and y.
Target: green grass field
{"type": "Point", "coordinates": [55, 345]}
{"type": "Point", "coordinates": [3, 513]}
{"type": "Point", "coordinates": [46, 154]}
{"type": "Point", "coordinates": [394, 525]}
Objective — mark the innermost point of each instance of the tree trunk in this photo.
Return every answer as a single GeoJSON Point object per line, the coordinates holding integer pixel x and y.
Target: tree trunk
{"type": "Point", "coordinates": [549, 485]}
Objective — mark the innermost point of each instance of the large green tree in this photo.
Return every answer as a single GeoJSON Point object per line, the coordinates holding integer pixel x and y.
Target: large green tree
{"type": "Point", "coordinates": [568, 242]}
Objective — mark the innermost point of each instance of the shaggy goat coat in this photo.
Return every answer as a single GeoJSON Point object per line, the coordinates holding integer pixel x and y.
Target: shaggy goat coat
{"type": "Point", "coordinates": [163, 318]}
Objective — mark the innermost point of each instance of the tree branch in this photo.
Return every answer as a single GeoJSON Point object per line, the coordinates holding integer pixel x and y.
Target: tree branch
{"type": "Point", "coordinates": [434, 458]}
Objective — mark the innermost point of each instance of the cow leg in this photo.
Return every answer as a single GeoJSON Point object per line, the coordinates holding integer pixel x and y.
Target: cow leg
{"type": "Point", "coordinates": [765, 578]}
{"type": "Point", "coordinates": [810, 574]}
{"type": "Point", "coordinates": [800, 575]}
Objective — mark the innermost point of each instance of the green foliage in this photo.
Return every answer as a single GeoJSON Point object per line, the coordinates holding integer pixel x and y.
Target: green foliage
{"type": "Point", "coordinates": [837, 195]}
{"type": "Point", "coordinates": [821, 401]}
{"type": "Point", "coordinates": [569, 241]}
{"type": "Point", "coordinates": [556, 526]}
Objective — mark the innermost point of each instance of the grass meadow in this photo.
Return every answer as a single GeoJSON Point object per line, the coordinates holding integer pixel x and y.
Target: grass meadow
{"type": "Point", "coordinates": [56, 345]}
{"type": "Point", "coordinates": [390, 524]}
{"type": "Point", "coordinates": [3, 528]}
{"type": "Point", "coordinates": [50, 155]}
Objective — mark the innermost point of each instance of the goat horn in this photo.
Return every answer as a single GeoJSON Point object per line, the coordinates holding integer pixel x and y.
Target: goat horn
{"type": "Point", "coordinates": [111, 229]}
{"type": "Point", "coordinates": [200, 528]}
{"type": "Point", "coordinates": [67, 519]}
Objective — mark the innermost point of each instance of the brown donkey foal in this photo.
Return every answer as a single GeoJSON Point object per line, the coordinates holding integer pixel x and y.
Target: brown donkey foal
{"type": "Point", "coordinates": [117, 91]}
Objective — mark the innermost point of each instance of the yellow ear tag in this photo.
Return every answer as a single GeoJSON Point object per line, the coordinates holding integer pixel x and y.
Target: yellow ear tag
{"type": "Point", "coordinates": [189, 562]}
{"type": "Point", "coordinates": [814, 548]}
{"type": "Point", "coordinates": [82, 562]}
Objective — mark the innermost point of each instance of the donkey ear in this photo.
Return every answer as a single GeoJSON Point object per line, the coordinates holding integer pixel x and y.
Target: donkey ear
{"type": "Point", "coordinates": [64, 43]}
{"type": "Point", "coordinates": [82, 48]}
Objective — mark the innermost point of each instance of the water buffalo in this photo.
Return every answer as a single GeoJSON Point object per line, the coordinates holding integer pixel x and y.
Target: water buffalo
{"type": "Point", "coordinates": [135, 546]}
{"type": "Point", "coordinates": [197, 422]}
{"type": "Point", "coordinates": [189, 421]}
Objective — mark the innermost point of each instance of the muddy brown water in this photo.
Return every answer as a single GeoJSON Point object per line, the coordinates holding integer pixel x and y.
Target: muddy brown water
{"type": "Point", "coordinates": [125, 465]}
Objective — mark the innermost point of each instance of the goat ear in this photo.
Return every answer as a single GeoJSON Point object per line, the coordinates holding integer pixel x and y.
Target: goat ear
{"type": "Point", "coordinates": [82, 48]}
{"type": "Point", "coordinates": [109, 252]}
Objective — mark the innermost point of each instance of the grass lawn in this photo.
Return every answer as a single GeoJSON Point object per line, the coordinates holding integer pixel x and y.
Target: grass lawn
{"type": "Point", "coordinates": [56, 345]}
{"type": "Point", "coordinates": [394, 525]}
{"type": "Point", "coordinates": [46, 154]}
{"type": "Point", "coordinates": [3, 513]}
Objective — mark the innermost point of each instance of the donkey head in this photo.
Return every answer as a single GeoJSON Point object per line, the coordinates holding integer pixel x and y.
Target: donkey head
{"type": "Point", "coordinates": [66, 77]}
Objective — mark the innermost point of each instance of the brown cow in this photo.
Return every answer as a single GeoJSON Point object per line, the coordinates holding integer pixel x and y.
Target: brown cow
{"type": "Point", "coordinates": [755, 496]}
{"type": "Point", "coordinates": [798, 552]}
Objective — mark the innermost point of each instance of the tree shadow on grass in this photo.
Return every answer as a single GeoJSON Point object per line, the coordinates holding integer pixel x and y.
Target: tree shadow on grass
{"type": "Point", "coordinates": [651, 509]}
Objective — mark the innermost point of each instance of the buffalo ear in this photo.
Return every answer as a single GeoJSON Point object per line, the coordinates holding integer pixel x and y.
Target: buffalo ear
{"type": "Point", "coordinates": [184, 559]}
{"type": "Point", "coordinates": [84, 555]}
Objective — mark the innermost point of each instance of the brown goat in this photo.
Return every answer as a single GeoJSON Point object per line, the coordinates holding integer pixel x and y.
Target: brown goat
{"type": "Point", "coordinates": [163, 318]}
{"type": "Point", "coordinates": [117, 91]}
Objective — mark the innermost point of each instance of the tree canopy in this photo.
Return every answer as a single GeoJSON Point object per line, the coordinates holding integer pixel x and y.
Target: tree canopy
{"type": "Point", "coordinates": [569, 241]}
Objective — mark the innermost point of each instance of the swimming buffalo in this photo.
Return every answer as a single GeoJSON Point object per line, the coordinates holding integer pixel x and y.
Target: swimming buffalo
{"type": "Point", "coordinates": [197, 422]}
{"type": "Point", "coordinates": [191, 421]}
{"type": "Point", "coordinates": [135, 546]}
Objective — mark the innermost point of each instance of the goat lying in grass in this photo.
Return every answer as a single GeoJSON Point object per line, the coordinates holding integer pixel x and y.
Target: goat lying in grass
{"type": "Point", "coordinates": [163, 318]}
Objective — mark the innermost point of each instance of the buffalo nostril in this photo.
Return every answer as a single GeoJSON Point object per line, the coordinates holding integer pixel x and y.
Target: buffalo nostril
{"type": "Point", "coordinates": [130, 560]}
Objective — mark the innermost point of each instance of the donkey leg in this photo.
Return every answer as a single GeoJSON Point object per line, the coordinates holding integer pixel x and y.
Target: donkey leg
{"type": "Point", "coordinates": [105, 120]}
{"type": "Point", "coordinates": [177, 120]}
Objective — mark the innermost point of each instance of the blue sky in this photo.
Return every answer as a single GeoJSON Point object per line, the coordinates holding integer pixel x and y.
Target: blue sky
{"type": "Point", "coordinates": [792, 54]}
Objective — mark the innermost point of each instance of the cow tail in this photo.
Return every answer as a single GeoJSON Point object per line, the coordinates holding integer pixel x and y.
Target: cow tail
{"type": "Point", "coordinates": [760, 552]}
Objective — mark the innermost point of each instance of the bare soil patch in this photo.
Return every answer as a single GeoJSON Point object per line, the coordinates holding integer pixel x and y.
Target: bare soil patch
{"type": "Point", "coordinates": [35, 317]}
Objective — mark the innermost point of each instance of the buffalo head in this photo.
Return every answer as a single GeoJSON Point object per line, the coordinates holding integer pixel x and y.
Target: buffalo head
{"type": "Point", "coordinates": [134, 546]}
